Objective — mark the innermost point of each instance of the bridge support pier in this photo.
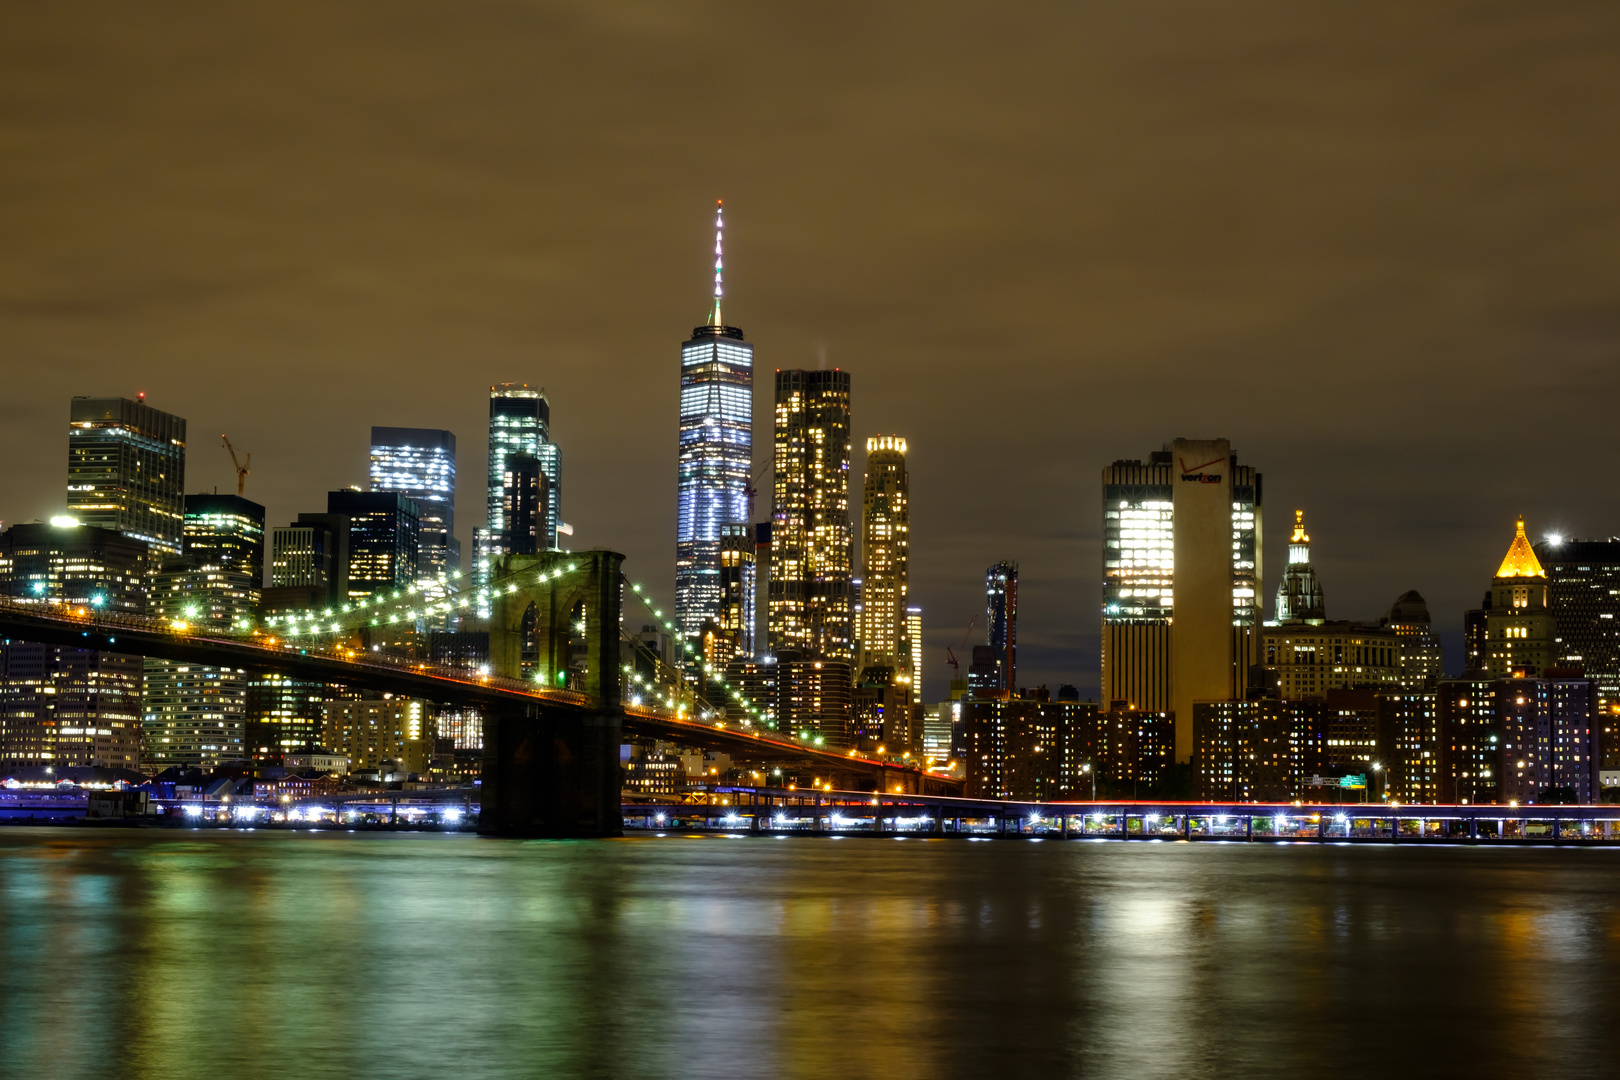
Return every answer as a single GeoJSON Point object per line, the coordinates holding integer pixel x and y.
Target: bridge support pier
{"type": "Point", "coordinates": [551, 775]}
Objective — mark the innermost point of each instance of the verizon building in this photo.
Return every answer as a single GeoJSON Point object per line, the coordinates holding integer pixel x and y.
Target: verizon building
{"type": "Point", "coordinates": [1181, 580]}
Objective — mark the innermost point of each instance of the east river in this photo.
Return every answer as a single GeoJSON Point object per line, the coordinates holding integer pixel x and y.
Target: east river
{"type": "Point", "coordinates": [147, 954]}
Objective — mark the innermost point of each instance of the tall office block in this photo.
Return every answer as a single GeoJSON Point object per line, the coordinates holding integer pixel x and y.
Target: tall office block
{"type": "Point", "coordinates": [384, 539]}
{"type": "Point", "coordinates": [811, 602]}
{"type": "Point", "coordinates": [195, 715]}
{"type": "Point", "coordinates": [312, 553]}
{"type": "Point", "coordinates": [716, 457]}
{"type": "Point", "coordinates": [885, 556]}
{"type": "Point", "coordinates": [816, 697]}
{"type": "Point", "coordinates": [739, 583]}
{"type": "Point", "coordinates": [1422, 659]}
{"type": "Point", "coordinates": [914, 639]}
{"type": "Point", "coordinates": [525, 495]}
{"type": "Point", "coordinates": [420, 463]}
{"type": "Point", "coordinates": [226, 532]}
{"type": "Point", "coordinates": [1519, 624]}
{"type": "Point", "coordinates": [127, 470]}
{"type": "Point", "coordinates": [60, 705]}
{"type": "Point", "coordinates": [283, 714]}
{"type": "Point", "coordinates": [1181, 579]}
{"type": "Point", "coordinates": [1583, 591]}
{"type": "Point", "coordinates": [1001, 613]}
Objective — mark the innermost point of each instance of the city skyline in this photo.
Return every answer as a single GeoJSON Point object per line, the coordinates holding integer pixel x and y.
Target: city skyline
{"type": "Point", "coordinates": [1451, 631]}
{"type": "Point", "coordinates": [963, 249]}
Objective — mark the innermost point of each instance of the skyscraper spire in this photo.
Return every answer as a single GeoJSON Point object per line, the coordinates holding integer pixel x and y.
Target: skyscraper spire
{"type": "Point", "coordinates": [716, 466]}
{"type": "Point", "coordinates": [719, 227]}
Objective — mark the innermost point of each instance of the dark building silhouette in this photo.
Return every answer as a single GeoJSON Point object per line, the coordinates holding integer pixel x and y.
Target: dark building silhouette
{"type": "Point", "coordinates": [1001, 608]}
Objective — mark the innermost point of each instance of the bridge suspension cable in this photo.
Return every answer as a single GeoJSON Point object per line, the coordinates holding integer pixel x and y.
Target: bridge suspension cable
{"type": "Point", "coordinates": [714, 675]}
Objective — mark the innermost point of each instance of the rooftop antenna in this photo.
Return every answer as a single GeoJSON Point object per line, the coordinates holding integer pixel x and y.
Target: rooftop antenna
{"type": "Point", "coordinates": [719, 227]}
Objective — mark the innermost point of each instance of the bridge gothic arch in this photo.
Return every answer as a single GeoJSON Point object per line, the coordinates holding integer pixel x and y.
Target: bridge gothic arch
{"type": "Point", "coordinates": [557, 614]}
{"type": "Point", "coordinates": [554, 618]}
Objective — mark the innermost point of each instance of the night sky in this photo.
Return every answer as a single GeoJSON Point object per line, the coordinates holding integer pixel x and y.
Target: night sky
{"type": "Point", "coordinates": [1376, 245]}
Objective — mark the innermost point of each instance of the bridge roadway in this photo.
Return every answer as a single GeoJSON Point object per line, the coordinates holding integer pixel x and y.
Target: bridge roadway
{"type": "Point", "coordinates": [80, 627]}
{"type": "Point", "coordinates": [780, 811]}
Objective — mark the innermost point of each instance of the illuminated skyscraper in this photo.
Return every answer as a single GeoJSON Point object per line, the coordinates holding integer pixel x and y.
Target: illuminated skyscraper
{"type": "Point", "coordinates": [716, 457]}
{"type": "Point", "coordinates": [885, 555]}
{"type": "Point", "coordinates": [1520, 629]}
{"type": "Point", "coordinates": [913, 639]}
{"type": "Point", "coordinates": [127, 470]}
{"type": "Point", "coordinates": [519, 424]}
{"type": "Point", "coordinates": [1181, 542]}
{"type": "Point", "coordinates": [811, 607]}
{"type": "Point", "coordinates": [1583, 591]}
{"type": "Point", "coordinates": [421, 463]}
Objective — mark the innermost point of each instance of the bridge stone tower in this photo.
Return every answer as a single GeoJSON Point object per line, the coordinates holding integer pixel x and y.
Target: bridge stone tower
{"type": "Point", "coordinates": [553, 770]}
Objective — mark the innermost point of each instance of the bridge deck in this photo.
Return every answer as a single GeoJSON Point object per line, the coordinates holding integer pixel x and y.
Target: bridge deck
{"type": "Point", "coordinates": [145, 636]}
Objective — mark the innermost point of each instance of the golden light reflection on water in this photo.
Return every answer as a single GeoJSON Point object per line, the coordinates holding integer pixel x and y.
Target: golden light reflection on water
{"type": "Point", "coordinates": [167, 955]}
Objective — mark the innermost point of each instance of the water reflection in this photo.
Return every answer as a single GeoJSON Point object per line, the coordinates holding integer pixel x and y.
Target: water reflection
{"type": "Point", "coordinates": [352, 955]}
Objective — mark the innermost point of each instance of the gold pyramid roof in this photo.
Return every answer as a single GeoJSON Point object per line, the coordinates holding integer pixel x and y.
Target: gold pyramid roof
{"type": "Point", "coordinates": [1299, 536]}
{"type": "Point", "coordinates": [1521, 561]}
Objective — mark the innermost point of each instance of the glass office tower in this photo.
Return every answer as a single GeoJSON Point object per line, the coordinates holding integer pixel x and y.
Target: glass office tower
{"type": "Point", "coordinates": [127, 470]}
{"type": "Point", "coordinates": [520, 423]}
{"type": "Point", "coordinates": [420, 463]}
{"type": "Point", "coordinates": [519, 428]}
{"type": "Point", "coordinates": [716, 456]}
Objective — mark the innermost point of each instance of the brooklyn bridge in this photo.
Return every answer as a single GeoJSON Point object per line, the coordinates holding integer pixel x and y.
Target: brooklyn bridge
{"type": "Point", "coordinates": [557, 697]}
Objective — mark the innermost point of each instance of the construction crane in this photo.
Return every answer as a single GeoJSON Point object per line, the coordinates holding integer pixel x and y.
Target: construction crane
{"type": "Point", "coordinates": [754, 481]}
{"type": "Point", "coordinates": [242, 464]}
{"type": "Point", "coordinates": [950, 655]}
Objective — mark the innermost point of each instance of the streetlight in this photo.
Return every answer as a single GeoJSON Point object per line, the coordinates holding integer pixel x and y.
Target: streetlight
{"type": "Point", "coordinates": [1383, 792]}
{"type": "Point", "coordinates": [1086, 768]}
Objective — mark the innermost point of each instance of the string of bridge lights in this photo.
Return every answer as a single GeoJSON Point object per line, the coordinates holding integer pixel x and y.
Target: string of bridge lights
{"type": "Point", "coordinates": [314, 621]}
{"type": "Point", "coordinates": [311, 621]}
{"type": "Point", "coordinates": [686, 648]}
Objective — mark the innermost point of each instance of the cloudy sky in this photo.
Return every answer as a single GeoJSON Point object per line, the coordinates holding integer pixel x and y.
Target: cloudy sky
{"type": "Point", "coordinates": [1376, 245]}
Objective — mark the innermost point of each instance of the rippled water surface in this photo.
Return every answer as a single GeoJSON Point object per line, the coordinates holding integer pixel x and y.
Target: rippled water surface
{"type": "Point", "coordinates": [244, 954]}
